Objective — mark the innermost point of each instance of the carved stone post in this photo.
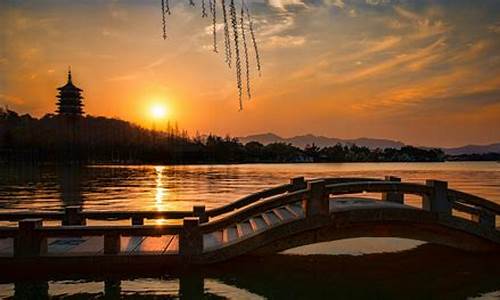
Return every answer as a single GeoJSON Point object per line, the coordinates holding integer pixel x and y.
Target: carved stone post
{"type": "Point", "coordinates": [437, 201]}
{"type": "Point", "coordinates": [317, 202]}
{"type": "Point", "coordinates": [112, 243]}
{"type": "Point", "coordinates": [200, 212]}
{"type": "Point", "coordinates": [297, 183]}
{"type": "Point", "coordinates": [72, 216]}
{"type": "Point", "coordinates": [191, 240]}
{"type": "Point", "coordinates": [29, 241]}
{"type": "Point", "coordinates": [396, 197]}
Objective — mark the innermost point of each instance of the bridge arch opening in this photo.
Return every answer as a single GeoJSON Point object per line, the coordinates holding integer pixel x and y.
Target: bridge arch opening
{"type": "Point", "coordinates": [356, 246]}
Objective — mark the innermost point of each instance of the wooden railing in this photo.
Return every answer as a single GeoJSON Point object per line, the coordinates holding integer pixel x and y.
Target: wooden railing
{"type": "Point", "coordinates": [30, 235]}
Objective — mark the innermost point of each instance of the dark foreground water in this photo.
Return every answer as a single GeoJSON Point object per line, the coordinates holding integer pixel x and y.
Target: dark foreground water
{"type": "Point", "coordinates": [356, 268]}
{"type": "Point", "coordinates": [426, 272]}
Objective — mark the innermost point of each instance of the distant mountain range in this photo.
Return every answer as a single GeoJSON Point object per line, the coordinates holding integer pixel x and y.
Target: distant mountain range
{"type": "Point", "coordinates": [323, 141]}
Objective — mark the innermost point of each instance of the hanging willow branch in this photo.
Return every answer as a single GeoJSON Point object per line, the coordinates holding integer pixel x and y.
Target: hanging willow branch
{"type": "Point", "coordinates": [234, 23]}
{"type": "Point", "coordinates": [243, 35]}
{"type": "Point", "coordinates": [236, 28]}
{"type": "Point", "coordinates": [203, 9]}
{"type": "Point", "coordinates": [252, 33]}
{"type": "Point", "coordinates": [167, 6]}
{"type": "Point", "coordinates": [213, 10]}
{"type": "Point", "coordinates": [164, 23]}
{"type": "Point", "coordinates": [227, 39]}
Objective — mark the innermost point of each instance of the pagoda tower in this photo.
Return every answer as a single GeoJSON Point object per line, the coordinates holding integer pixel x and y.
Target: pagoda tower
{"type": "Point", "coordinates": [69, 101]}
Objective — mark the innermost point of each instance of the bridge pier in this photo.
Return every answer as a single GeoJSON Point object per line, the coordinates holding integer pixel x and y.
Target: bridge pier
{"type": "Point", "coordinates": [437, 200]}
{"type": "Point", "coordinates": [112, 288]}
{"type": "Point", "coordinates": [396, 197]}
{"type": "Point", "coordinates": [191, 286]}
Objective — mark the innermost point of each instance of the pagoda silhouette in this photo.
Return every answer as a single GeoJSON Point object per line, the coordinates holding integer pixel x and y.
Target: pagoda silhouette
{"type": "Point", "coordinates": [69, 101]}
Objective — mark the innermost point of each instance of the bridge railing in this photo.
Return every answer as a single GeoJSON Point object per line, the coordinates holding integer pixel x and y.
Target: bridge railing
{"type": "Point", "coordinates": [436, 197]}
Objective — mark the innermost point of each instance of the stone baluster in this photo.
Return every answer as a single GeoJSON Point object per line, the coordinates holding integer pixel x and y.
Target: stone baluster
{"type": "Point", "coordinates": [73, 216]}
{"type": "Point", "coordinates": [317, 202]}
{"type": "Point", "coordinates": [393, 196]}
{"type": "Point", "coordinates": [437, 200]}
{"type": "Point", "coordinates": [191, 239]}
{"type": "Point", "coordinates": [200, 212]}
{"type": "Point", "coordinates": [29, 241]}
{"type": "Point", "coordinates": [112, 243]}
{"type": "Point", "coordinates": [298, 183]}
{"type": "Point", "coordinates": [137, 220]}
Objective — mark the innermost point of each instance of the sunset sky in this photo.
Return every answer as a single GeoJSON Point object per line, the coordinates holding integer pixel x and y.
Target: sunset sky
{"type": "Point", "coordinates": [422, 72]}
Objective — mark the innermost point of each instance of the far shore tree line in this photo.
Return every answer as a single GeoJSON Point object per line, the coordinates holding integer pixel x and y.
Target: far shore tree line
{"type": "Point", "coordinates": [90, 140]}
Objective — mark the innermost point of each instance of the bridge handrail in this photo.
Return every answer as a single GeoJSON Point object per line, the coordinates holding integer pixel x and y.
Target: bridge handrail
{"type": "Point", "coordinates": [458, 196]}
{"type": "Point", "coordinates": [253, 209]}
{"type": "Point", "coordinates": [144, 230]}
{"type": "Point", "coordinates": [378, 187]}
{"type": "Point", "coordinates": [247, 200]}
{"type": "Point", "coordinates": [95, 215]}
{"type": "Point", "coordinates": [8, 232]}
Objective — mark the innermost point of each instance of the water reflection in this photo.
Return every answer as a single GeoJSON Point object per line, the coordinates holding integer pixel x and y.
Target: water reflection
{"type": "Point", "coordinates": [426, 272]}
{"type": "Point", "coordinates": [160, 190]}
{"type": "Point", "coordinates": [70, 185]}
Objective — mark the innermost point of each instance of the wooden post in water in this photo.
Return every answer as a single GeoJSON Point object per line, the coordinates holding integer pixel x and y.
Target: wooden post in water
{"type": "Point", "coordinates": [29, 241]}
{"type": "Point", "coordinates": [190, 240]}
{"type": "Point", "coordinates": [395, 196]}
{"type": "Point", "coordinates": [112, 243]}
{"type": "Point", "coordinates": [200, 212]}
{"type": "Point", "coordinates": [317, 202]}
{"type": "Point", "coordinates": [72, 216]}
{"type": "Point", "coordinates": [297, 183]}
{"type": "Point", "coordinates": [437, 201]}
{"type": "Point", "coordinates": [485, 219]}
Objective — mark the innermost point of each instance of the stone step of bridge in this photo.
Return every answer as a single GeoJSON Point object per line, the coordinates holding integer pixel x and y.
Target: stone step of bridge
{"type": "Point", "coordinates": [253, 225]}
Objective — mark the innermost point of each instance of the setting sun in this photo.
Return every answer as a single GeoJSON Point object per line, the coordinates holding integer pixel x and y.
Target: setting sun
{"type": "Point", "coordinates": [158, 111]}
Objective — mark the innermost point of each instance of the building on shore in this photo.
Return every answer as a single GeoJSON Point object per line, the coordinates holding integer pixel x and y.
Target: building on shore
{"type": "Point", "coordinates": [70, 98]}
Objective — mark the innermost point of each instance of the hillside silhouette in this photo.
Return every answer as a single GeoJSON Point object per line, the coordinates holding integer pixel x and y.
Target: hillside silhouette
{"type": "Point", "coordinates": [89, 139]}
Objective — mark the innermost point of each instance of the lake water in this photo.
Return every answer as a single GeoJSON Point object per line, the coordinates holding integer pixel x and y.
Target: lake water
{"type": "Point", "coordinates": [181, 187]}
